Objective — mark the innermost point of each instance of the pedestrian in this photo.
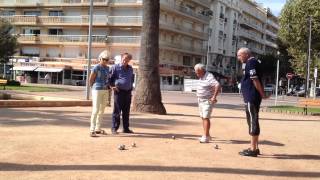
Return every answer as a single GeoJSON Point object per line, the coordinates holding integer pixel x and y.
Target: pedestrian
{"type": "Point", "coordinates": [239, 87]}
{"type": "Point", "coordinates": [121, 81]}
{"type": "Point", "coordinates": [207, 91]}
{"type": "Point", "coordinates": [47, 78]}
{"type": "Point", "coordinates": [99, 83]}
{"type": "Point", "coordinates": [253, 93]}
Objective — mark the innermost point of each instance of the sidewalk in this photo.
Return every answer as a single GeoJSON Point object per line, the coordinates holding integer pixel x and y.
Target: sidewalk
{"type": "Point", "coordinates": [54, 143]}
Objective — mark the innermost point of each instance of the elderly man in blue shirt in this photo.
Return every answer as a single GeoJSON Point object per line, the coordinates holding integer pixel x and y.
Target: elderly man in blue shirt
{"type": "Point", "coordinates": [121, 80]}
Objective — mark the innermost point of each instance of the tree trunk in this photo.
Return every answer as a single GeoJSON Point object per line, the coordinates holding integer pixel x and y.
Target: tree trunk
{"type": "Point", "coordinates": [147, 96]}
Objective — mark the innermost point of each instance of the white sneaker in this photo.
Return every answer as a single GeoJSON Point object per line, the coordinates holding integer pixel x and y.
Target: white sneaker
{"type": "Point", "coordinates": [205, 139]}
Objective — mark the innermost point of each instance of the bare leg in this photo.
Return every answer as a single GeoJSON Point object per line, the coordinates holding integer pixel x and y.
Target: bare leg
{"type": "Point", "coordinates": [206, 126]}
{"type": "Point", "coordinates": [254, 142]}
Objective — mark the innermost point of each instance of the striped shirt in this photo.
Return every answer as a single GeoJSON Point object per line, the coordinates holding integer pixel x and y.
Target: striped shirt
{"type": "Point", "coordinates": [205, 86]}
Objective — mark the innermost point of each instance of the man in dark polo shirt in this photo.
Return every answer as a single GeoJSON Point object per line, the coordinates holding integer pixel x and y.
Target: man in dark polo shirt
{"type": "Point", "coordinates": [121, 80]}
{"type": "Point", "coordinates": [253, 93]}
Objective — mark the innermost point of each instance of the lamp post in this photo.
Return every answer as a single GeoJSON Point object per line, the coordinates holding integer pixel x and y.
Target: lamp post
{"type": "Point", "coordinates": [89, 50]}
{"type": "Point", "coordinates": [308, 60]}
{"type": "Point", "coordinates": [277, 79]}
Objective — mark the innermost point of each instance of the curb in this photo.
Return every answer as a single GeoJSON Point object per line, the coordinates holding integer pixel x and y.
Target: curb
{"type": "Point", "coordinates": [43, 103]}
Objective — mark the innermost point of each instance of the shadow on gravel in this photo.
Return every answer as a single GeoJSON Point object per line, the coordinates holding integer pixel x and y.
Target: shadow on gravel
{"type": "Point", "coordinates": [264, 142]}
{"type": "Point", "coordinates": [293, 156]}
{"type": "Point", "coordinates": [148, 168]}
{"type": "Point", "coordinates": [268, 119]}
{"type": "Point", "coordinates": [25, 117]}
{"type": "Point", "coordinates": [164, 136]}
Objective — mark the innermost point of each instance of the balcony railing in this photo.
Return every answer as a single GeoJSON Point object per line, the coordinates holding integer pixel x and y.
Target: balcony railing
{"type": "Point", "coordinates": [185, 10]}
{"type": "Point", "coordinates": [250, 35]}
{"type": "Point", "coordinates": [21, 19]}
{"type": "Point", "coordinates": [125, 1]}
{"type": "Point", "coordinates": [51, 2]}
{"type": "Point", "coordinates": [193, 32]}
{"type": "Point", "coordinates": [76, 20]}
{"type": "Point", "coordinates": [184, 47]}
{"type": "Point", "coordinates": [78, 38]}
{"type": "Point", "coordinates": [273, 24]}
{"type": "Point", "coordinates": [272, 44]}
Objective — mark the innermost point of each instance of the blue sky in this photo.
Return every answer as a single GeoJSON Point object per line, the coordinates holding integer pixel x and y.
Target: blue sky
{"type": "Point", "coordinates": [274, 5]}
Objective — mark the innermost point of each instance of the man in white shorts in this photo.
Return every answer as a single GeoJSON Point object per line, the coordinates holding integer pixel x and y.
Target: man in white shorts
{"type": "Point", "coordinates": [207, 91]}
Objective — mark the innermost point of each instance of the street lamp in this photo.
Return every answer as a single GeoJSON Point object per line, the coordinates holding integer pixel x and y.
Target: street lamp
{"type": "Point", "coordinates": [89, 50]}
{"type": "Point", "coordinates": [277, 79]}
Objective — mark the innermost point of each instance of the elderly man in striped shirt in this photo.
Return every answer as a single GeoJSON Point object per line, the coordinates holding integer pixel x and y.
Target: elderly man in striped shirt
{"type": "Point", "coordinates": [207, 91]}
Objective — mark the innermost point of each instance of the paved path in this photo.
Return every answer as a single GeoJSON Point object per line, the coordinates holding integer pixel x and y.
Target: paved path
{"type": "Point", "coordinates": [54, 143]}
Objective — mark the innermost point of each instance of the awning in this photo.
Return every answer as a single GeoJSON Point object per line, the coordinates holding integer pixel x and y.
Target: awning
{"type": "Point", "coordinates": [24, 68]}
{"type": "Point", "coordinates": [49, 69]}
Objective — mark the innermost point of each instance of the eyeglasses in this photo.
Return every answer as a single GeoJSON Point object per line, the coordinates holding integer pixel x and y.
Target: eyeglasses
{"type": "Point", "coordinates": [105, 59]}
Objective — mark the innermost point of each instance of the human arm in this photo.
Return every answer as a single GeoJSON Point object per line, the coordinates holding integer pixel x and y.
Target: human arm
{"type": "Point", "coordinates": [216, 91]}
{"type": "Point", "coordinates": [92, 78]}
{"type": "Point", "coordinates": [257, 84]}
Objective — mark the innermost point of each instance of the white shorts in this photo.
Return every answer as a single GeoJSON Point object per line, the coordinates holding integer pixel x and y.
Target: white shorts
{"type": "Point", "coordinates": [205, 108]}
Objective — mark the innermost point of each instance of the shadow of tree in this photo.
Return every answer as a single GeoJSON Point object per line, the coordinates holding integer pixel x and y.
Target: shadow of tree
{"type": "Point", "coordinates": [293, 156]}
{"type": "Point", "coordinates": [148, 168]}
{"type": "Point", "coordinates": [28, 117]}
{"type": "Point", "coordinates": [264, 142]}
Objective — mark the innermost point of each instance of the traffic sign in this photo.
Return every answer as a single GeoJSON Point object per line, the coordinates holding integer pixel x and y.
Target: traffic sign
{"type": "Point", "coordinates": [289, 75]}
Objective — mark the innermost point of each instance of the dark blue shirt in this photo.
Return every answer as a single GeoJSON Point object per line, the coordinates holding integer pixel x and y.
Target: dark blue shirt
{"type": "Point", "coordinates": [101, 82]}
{"type": "Point", "coordinates": [249, 91]}
{"type": "Point", "coordinates": [121, 77]}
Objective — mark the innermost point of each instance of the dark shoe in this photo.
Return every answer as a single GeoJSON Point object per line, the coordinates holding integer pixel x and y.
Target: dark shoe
{"type": "Point", "coordinates": [114, 131]}
{"type": "Point", "coordinates": [93, 134]}
{"type": "Point", "coordinates": [127, 131]}
{"type": "Point", "coordinates": [100, 131]}
{"type": "Point", "coordinates": [257, 150]}
{"type": "Point", "coordinates": [249, 152]}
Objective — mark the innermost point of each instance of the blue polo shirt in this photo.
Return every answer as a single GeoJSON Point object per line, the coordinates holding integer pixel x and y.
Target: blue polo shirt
{"type": "Point", "coordinates": [252, 71]}
{"type": "Point", "coordinates": [102, 79]}
{"type": "Point", "coordinates": [121, 77]}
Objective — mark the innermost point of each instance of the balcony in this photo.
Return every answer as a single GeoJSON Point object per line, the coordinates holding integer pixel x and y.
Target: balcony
{"type": "Point", "coordinates": [98, 20]}
{"type": "Point", "coordinates": [77, 39]}
{"type": "Point", "coordinates": [251, 24]}
{"type": "Point", "coordinates": [271, 44]}
{"type": "Point", "coordinates": [272, 34]}
{"type": "Point", "coordinates": [182, 48]}
{"type": "Point", "coordinates": [251, 36]}
{"type": "Point", "coordinates": [272, 23]}
{"type": "Point", "coordinates": [184, 30]}
{"type": "Point", "coordinates": [21, 20]}
{"type": "Point", "coordinates": [125, 2]}
{"type": "Point", "coordinates": [28, 3]}
{"type": "Point", "coordinates": [184, 10]}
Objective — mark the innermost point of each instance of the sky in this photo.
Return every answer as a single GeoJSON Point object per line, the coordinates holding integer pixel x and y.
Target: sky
{"type": "Point", "coordinates": [274, 5]}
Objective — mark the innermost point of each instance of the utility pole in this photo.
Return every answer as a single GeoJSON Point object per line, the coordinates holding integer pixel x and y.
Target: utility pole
{"type": "Point", "coordinates": [308, 60]}
{"type": "Point", "coordinates": [89, 50]}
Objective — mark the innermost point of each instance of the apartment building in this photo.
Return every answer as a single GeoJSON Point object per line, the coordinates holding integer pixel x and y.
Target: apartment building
{"type": "Point", "coordinates": [235, 24]}
{"type": "Point", "coordinates": [54, 33]}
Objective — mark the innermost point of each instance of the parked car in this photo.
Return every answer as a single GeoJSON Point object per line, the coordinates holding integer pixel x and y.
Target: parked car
{"type": "Point", "coordinates": [270, 88]}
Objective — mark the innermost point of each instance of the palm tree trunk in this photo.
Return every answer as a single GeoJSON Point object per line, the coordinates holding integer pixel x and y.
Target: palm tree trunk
{"type": "Point", "coordinates": [148, 95]}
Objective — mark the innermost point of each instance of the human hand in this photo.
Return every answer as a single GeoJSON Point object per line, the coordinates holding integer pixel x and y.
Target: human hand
{"type": "Point", "coordinates": [115, 89]}
{"type": "Point", "coordinates": [213, 100]}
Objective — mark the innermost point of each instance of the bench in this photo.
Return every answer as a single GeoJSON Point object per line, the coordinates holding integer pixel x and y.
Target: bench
{"type": "Point", "coordinates": [3, 82]}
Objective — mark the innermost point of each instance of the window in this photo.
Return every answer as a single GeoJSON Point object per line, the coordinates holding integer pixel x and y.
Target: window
{"type": "Point", "coordinates": [32, 13]}
{"type": "Point", "coordinates": [55, 13]}
{"type": "Point", "coordinates": [55, 31]}
{"type": "Point", "coordinates": [167, 80]}
{"type": "Point", "coordinates": [186, 60]}
{"type": "Point", "coordinates": [7, 13]}
{"type": "Point", "coordinates": [31, 31]}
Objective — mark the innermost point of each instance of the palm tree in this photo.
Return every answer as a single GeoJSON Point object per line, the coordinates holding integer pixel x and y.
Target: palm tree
{"type": "Point", "coordinates": [148, 95]}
